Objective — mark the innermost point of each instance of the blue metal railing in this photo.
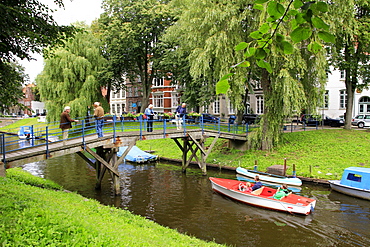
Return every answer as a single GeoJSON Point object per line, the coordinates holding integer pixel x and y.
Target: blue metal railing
{"type": "Point", "coordinates": [41, 135]}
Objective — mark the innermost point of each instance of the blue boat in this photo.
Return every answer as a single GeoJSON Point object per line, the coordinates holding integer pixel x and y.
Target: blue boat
{"type": "Point", "coordinates": [137, 155]}
{"type": "Point", "coordinates": [355, 182]}
{"type": "Point", "coordinates": [270, 178]}
{"type": "Point", "coordinates": [25, 132]}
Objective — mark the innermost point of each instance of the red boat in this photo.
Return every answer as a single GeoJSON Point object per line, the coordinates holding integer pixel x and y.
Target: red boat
{"type": "Point", "coordinates": [263, 197]}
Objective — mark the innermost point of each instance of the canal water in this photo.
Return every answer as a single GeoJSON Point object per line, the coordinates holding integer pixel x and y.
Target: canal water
{"type": "Point", "coordinates": [162, 193]}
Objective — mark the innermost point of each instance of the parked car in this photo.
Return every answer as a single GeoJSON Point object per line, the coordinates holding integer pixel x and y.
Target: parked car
{"type": "Point", "coordinates": [361, 120]}
{"type": "Point", "coordinates": [311, 120]}
{"type": "Point", "coordinates": [207, 118]}
{"type": "Point", "coordinates": [250, 118]}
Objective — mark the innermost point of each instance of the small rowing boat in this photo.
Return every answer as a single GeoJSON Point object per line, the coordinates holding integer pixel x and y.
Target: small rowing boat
{"type": "Point", "coordinates": [355, 182]}
{"type": "Point", "coordinates": [268, 177]}
{"type": "Point", "coordinates": [263, 197]}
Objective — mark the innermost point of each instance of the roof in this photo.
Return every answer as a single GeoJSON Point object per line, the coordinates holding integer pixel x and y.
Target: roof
{"type": "Point", "coordinates": [358, 177]}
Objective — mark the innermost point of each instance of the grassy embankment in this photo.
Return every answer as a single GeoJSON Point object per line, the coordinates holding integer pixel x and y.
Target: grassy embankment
{"type": "Point", "coordinates": [317, 153]}
{"type": "Point", "coordinates": [36, 212]}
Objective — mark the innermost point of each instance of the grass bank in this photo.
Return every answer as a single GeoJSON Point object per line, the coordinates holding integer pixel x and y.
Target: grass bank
{"type": "Point", "coordinates": [37, 212]}
{"type": "Point", "coordinates": [317, 153]}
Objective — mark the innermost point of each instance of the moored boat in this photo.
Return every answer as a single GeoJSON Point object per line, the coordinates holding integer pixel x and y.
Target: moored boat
{"type": "Point", "coordinates": [355, 182]}
{"type": "Point", "coordinates": [25, 132]}
{"type": "Point", "coordinates": [263, 197]}
{"type": "Point", "coordinates": [137, 155]}
{"type": "Point", "coordinates": [268, 177]}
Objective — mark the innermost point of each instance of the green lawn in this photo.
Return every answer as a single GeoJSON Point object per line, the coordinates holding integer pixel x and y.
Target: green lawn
{"type": "Point", "coordinates": [317, 153]}
{"type": "Point", "coordinates": [35, 212]}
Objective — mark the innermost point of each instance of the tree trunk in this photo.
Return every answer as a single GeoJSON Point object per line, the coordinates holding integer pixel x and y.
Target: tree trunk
{"type": "Point", "coordinates": [266, 137]}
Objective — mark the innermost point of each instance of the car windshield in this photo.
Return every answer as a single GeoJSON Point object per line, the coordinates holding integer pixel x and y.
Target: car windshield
{"type": "Point", "coordinates": [359, 117]}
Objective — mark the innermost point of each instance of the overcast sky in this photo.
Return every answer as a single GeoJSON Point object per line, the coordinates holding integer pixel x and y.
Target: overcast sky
{"type": "Point", "coordinates": [76, 10]}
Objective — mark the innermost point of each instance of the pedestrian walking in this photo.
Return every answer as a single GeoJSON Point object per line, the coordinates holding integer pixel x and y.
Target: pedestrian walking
{"type": "Point", "coordinates": [99, 119]}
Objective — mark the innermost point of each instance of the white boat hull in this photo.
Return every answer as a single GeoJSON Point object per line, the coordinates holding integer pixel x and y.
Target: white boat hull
{"type": "Point", "coordinates": [348, 190]}
{"type": "Point", "coordinates": [271, 179]}
{"type": "Point", "coordinates": [265, 202]}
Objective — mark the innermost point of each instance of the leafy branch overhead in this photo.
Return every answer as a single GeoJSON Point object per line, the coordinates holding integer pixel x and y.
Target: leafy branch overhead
{"type": "Point", "coordinates": [305, 23]}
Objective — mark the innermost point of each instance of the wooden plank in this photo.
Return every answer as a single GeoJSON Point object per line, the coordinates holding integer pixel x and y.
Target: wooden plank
{"type": "Point", "coordinates": [83, 156]}
{"type": "Point", "coordinates": [196, 143]}
{"type": "Point", "coordinates": [101, 160]}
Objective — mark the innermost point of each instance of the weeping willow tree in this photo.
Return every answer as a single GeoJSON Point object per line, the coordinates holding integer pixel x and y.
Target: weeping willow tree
{"type": "Point", "coordinates": [71, 76]}
{"type": "Point", "coordinates": [201, 48]}
{"type": "Point", "coordinates": [286, 54]}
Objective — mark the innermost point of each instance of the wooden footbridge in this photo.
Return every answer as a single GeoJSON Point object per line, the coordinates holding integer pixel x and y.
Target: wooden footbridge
{"type": "Point", "coordinates": [190, 140]}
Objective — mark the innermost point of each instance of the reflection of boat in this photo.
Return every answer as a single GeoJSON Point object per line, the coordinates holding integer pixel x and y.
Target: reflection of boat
{"type": "Point", "coordinates": [24, 143]}
{"type": "Point", "coordinates": [137, 155]}
{"type": "Point", "coordinates": [355, 182]}
{"type": "Point", "coordinates": [267, 177]}
{"type": "Point", "coordinates": [263, 197]}
{"type": "Point", "coordinates": [264, 183]}
{"type": "Point", "coordinates": [25, 132]}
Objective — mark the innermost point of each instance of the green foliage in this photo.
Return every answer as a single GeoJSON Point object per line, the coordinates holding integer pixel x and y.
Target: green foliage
{"type": "Point", "coordinates": [201, 41]}
{"type": "Point", "coordinates": [11, 79]}
{"type": "Point", "coordinates": [71, 76]}
{"type": "Point", "coordinates": [31, 216]}
{"type": "Point", "coordinates": [131, 32]}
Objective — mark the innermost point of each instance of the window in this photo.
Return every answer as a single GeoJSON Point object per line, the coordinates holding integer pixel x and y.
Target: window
{"type": "Point", "coordinates": [158, 100]}
{"type": "Point", "coordinates": [325, 104]}
{"type": "Point", "coordinates": [158, 82]}
{"type": "Point", "coordinates": [231, 108]}
{"type": "Point", "coordinates": [364, 104]}
{"type": "Point", "coordinates": [123, 108]}
{"type": "Point", "coordinates": [113, 109]}
{"type": "Point", "coordinates": [123, 95]}
{"type": "Point", "coordinates": [354, 177]}
{"type": "Point", "coordinates": [216, 107]}
{"type": "Point", "coordinates": [259, 104]}
{"type": "Point", "coordinates": [175, 100]}
{"type": "Point", "coordinates": [129, 92]}
{"type": "Point", "coordinates": [118, 109]}
{"type": "Point", "coordinates": [342, 74]}
{"type": "Point", "coordinates": [343, 99]}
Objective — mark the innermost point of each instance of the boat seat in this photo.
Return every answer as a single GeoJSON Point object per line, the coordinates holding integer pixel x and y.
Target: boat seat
{"type": "Point", "coordinates": [258, 191]}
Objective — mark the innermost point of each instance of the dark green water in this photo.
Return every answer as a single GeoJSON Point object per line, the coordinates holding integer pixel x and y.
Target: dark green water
{"type": "Point", "coordinates": [162, 193]}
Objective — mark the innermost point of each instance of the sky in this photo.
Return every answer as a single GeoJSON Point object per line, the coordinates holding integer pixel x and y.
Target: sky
{"type": "Point", "coordinates": [76, 10]}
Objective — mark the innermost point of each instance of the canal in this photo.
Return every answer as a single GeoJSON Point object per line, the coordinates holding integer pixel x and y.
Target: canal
{"type": "Point", "coordinates": [162, 193]}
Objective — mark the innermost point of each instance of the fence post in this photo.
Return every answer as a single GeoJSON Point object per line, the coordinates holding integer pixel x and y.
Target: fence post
{"type": "Point", "coordinates": [164, 128]}
{"type": "Point", "coordinates": [32, 137]}
{"type": "Point", "coordinates": [83, 133]}
{"type": "Point", "coordinates": [114, 128]}
{"type": "Point", "coordinates": [141, 126]}
{"type": "Point", "coordinates": [3, 149]}
{"type": "Point", "coordinates": [184, 123]}
{"type": "Point", "coordinates": [47, 141]}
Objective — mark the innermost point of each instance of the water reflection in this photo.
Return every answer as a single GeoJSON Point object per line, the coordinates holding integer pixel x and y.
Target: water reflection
{"type": "Point", "coordinates": [186, 202]}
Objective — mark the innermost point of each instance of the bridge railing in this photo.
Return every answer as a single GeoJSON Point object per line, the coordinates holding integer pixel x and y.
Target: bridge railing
{"type": "Point", "coordinates": [43, 134]}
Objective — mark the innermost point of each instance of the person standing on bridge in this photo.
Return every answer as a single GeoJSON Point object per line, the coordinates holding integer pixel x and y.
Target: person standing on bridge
{"type": "Point", "coordinates": [99, 120]}
{"type": "Point", "coordinates": [150, 115]}
{"type": "Point", "coordinates": [180, 112]}
{"type": "Point", "coordinates": [66, 122]}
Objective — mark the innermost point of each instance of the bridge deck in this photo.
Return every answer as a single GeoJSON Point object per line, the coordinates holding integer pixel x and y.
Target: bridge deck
{"type": "Point", "coordinates": [73, 145]}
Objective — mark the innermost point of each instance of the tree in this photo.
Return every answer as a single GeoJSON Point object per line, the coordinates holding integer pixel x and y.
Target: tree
{"type": "Point", "coordinates": [11, 79]}
{"type": "Point", "coordinates": [200, 48]}
{"type": "Point", "coordinates": [131, 31]}
{"type": "Point", "coordinates": [351, 52]}
{"type": "Point", "coordinates": [71, 76]}
{"type": "Point", "coordinates": [282, 50]}
{"type": "Point", "coordinates": [26, 27]}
